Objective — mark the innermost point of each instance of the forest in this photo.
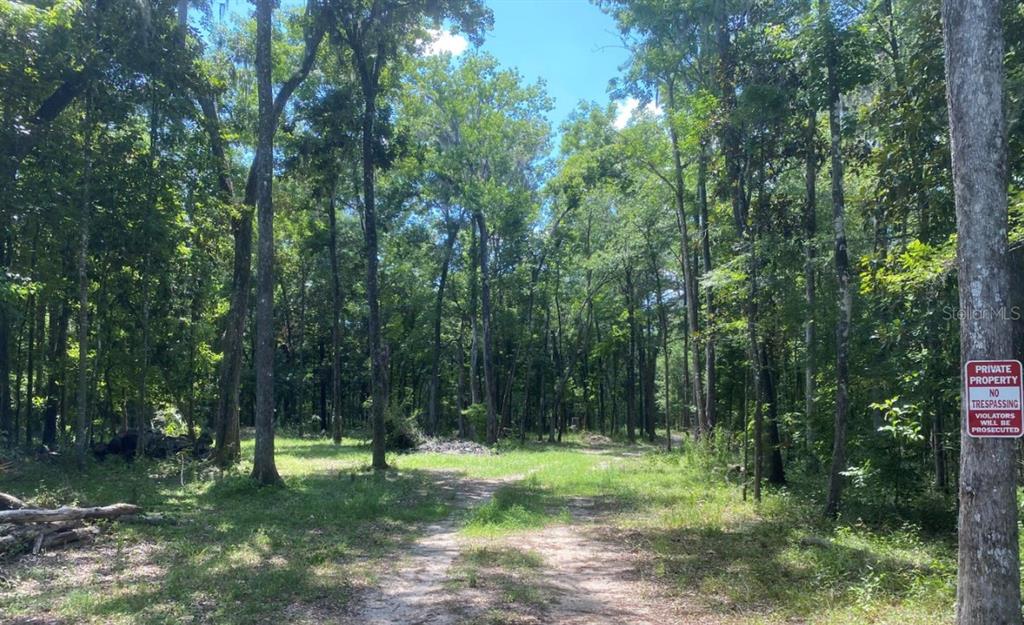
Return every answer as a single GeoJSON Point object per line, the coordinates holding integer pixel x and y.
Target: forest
{"type": "Point", "coordinates": [352, 311]}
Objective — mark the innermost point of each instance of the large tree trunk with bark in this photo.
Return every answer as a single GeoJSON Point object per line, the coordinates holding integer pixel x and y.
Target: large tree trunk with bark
{"type": "Point", "coordinates": [57, 348]}
{"type": "Point", "coordinates": [490, 383]}
{"type": "Point", "coordinates": [332, 223]}
{"type": "Point", "coordinates": [630, 360]}
{"type": "Point", "coordinates": [710, 373]}
{"type": "Point", "coordinates": [6, 426]}
{"type": "Point", "coordinates": [226, 421]}
{"type": "Point", "coordinates": [85, 214]}
{"type": "Point", "coordinates": [434, 409]}
{"type": "Point", "coordinates": [227, 425]}
{"type": "Point", "coordinates": [810, 223]}
{"type": "Point", "coordinates": [378, 366]}
{"type": "Point", "coordinates": [755, 360]}
{"type": "Point", "coordinates": [776, 468]}
{"type": "Point", "coordinates": [264, 469]}
{"type": "Point", "coordinates": [689, 277]}
{"type": "Point", "coordinates": [474, 345]}
{"type": "Point", "coordinates": [988, 575]}
{"type": "Point", "coordinates": [842, 263]}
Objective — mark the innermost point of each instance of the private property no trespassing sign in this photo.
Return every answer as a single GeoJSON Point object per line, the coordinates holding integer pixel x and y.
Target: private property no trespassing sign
{"type": "Point", "coordinates": [993, 392]}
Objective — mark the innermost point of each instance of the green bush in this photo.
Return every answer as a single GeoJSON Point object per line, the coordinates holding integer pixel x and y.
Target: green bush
{"type": "Point", "coordinates": [401, 432]}
{"type": "Point", "coordinates": [476, 420]}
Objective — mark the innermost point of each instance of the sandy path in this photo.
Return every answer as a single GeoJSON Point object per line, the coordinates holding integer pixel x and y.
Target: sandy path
{"type": "Point", "coordinates": [595, 578]}
{"type": "Point", "coordinates": [414, 593]}
{"type": "Point", "coordinates": [588, 577]}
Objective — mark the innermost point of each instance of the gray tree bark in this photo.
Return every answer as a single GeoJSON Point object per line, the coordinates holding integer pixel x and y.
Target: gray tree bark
{"type": "Point", "coordinates": [82, 412]}
{"type": "Point", "coordinates": [703, 426]}
{"type": "Point", "coordinates": [433, 411]}
{"type": "Point", "coordinates": [810, 253]}
{"type": "Point", "coordinates": [490, 383]}
{"type": "Point", "coordinates": [226, 424]}
{"type": "Point", "coordinates": [842, 264]}
{"type": "Point", "coordinates": [332, 223]}
{"type": "Point", "coordinates": [710, 373]}
{"type": "Point", "coordinates": [264, 469]}
{"type": "Point", "coordinates": [6, 424]}
{"type": "Point", "coordinates": [988, 575]}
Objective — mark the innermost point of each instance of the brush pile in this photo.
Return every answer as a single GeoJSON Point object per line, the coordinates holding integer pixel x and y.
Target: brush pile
{"type": "Point", "coordinates": [453, 446]}
{"type": "Point", "coordinates": [24, 529]}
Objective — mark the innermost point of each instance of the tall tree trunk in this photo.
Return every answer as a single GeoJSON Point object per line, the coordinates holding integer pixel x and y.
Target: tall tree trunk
{"type": "Point", "coordinates": [34, 330]}
{"type": "Point", "coordinates": [336, 418]}
{"type": "Point", "coordinates": [710, 373]}
{"type": "Point", "coordinates": [19, 372]}
{"type": "Point", "coordinates": [378, 366]}
{"type": "Point", "coordinates": [542, 400]}
{"type": "Point", "coordinates": [776, 470]}
{"type": "Point", "coordinates": [704, 427]}
{"type": "Point", "coordinates": [228, 440]}
{"type": "Point", "coordinates": [630, 361]}
{"type": "Point", "coordinates": [30, 388]}
{"type": "Point", "coordinates": [689, 423]}
{"type": "Point", "coordinates": [460, 385]}
{"type": "Point", "coordinates": [663, 331]}
{"type": "Point", "coordinates": [988, 575]}
{"type": "Point", "coordinates": [650, 370]}
{"type": "Point", "coordinates": [57, 349]}
{"type": "Point", "coordinates": [641, 364]}
{"type": "Point", "coordinates": [264, 469]}
{"type": "Point", "coordinates": [490, 383]}
{"type": "Point", "coordinates": [6, 425]}
{"type": "Point", "coordinates": [810, 220]}
{"type": "Point", "coordinates": [85, 214]}
{"type": "Point", "coordinates": [227, 419]}
{"type": "Point", "coordinates": [842, 263]}
{"type": "Point", "coordinates": [434, 409]}
{"type": "Point", "coordinates": [142, 417]}
{"type": "Point", "coordinates": [749, 231]}
{"type": "Point", "coordinates": [474, 340]}
{"type": "Point", "coordinates": [755, 360]}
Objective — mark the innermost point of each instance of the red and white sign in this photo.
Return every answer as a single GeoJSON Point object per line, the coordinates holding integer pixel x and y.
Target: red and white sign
{"type": "Point", "coordinates": [993, 394]}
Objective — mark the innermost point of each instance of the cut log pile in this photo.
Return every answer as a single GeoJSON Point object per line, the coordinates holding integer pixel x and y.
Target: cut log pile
{"type": "Point", "coordinates": [24, 529]}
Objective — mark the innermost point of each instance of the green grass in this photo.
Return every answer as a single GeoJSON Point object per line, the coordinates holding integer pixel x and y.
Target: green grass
{"type": "Point", "coordinates": [514, 508]}
{"type": "Point", "coordinates": [239, 553]}
{"type": "Point", "coordinates": [244, 554]}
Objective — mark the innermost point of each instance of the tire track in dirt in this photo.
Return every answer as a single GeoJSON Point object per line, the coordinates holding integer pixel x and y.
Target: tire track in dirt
{"type": "Point", "coordinates": [587, 576]}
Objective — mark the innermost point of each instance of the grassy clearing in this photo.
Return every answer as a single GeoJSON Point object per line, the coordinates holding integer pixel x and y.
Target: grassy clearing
{"type": "Point", "coordinates": [238, 554]}
{"type": "Point", "coordinates": [243, 554]}
{"type": "Point", "coordinates": [752, 564]}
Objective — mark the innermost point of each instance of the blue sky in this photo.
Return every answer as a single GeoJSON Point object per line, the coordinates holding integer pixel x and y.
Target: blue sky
{"type": "Point", "coordinates": [570, 44]}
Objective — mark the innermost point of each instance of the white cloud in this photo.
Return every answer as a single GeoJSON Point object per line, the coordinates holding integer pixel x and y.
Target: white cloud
{"type": "Point", "coordinates": [445, 42]}
{"type": "Point", "coordinates": [626, 109]}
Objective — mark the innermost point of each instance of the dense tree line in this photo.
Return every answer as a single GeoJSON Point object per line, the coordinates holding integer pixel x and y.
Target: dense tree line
{"type": "Point", "coordinates": [306, 221]}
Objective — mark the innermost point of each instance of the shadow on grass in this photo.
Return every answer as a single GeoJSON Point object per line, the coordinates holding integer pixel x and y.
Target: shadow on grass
{"type": "Point", "coordinates": [324, 449]}
{"type": "Point", "coordinates": [763, 566]}
{"type": "Point", "coordinates": [239, 553]}
{"type": "Point", "coordinates": [518, 506]}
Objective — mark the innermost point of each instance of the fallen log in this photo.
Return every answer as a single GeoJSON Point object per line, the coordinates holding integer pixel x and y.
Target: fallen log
{"type": "Point", "coordinates": [36, 537]}
{"type": "Point", "coordinates": [66, 513]}
{"type": "Point", "coordinates": [10, 502]}
{"type": "Point", "coordinates": [60, 538]}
